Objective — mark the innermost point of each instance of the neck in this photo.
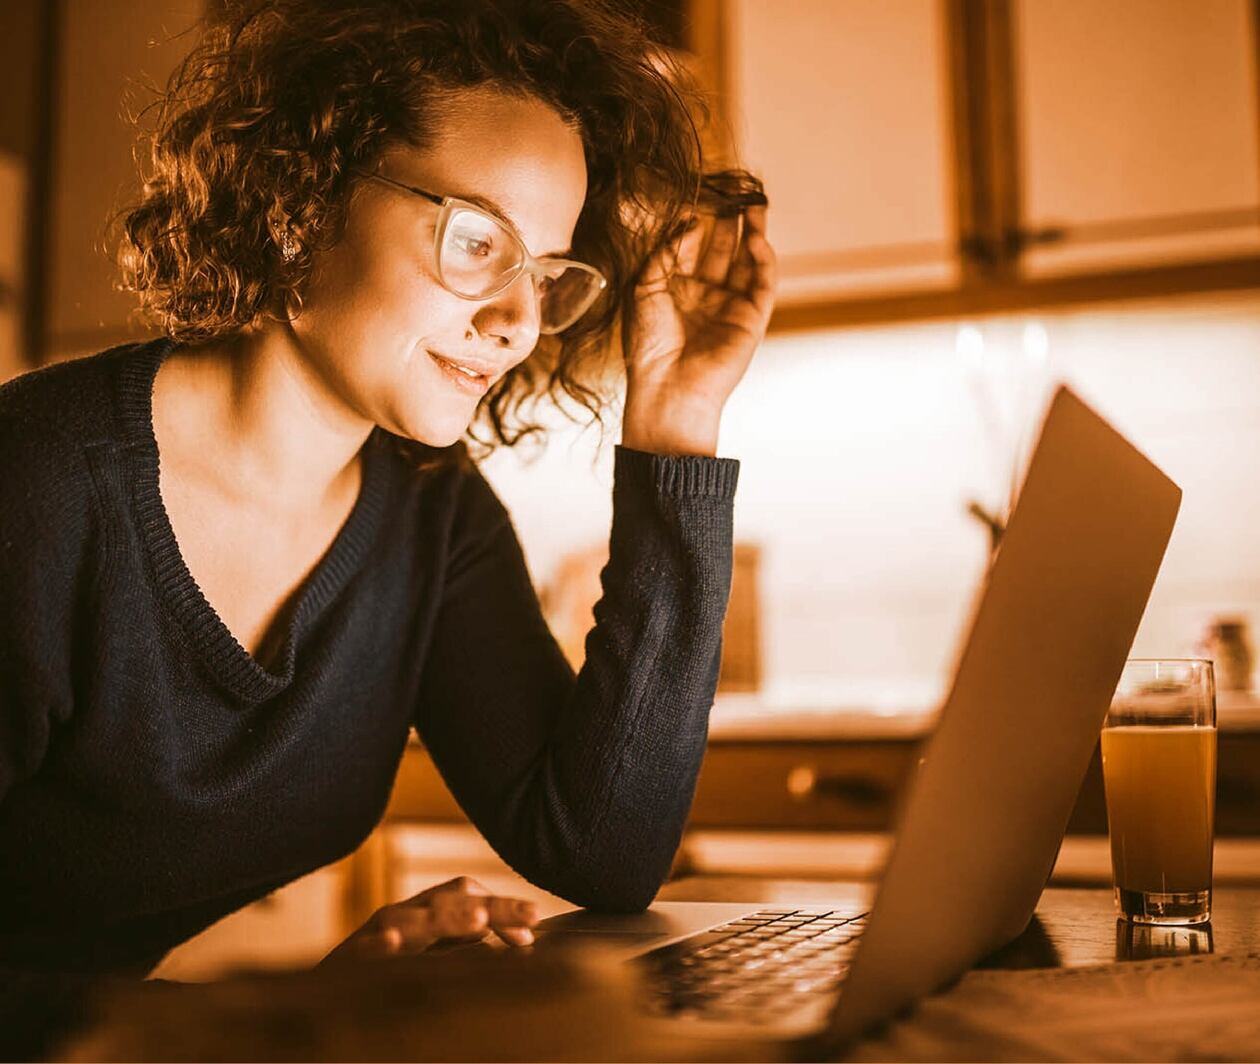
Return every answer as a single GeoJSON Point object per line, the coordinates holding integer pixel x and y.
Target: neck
{"type": "Point", "coordinates": [254, 417]}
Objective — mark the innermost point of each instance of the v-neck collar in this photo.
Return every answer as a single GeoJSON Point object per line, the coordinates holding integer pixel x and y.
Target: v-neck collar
{"type": "Point", "coordinates": [230, 662]}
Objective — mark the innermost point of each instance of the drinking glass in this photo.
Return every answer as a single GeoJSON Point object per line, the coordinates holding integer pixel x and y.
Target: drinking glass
{"type": "Point", "coordinates": [1159, 771]}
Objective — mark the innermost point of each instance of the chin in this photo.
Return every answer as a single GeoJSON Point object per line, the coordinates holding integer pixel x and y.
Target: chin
{"type": "Point", "coordinates": [438, 432]}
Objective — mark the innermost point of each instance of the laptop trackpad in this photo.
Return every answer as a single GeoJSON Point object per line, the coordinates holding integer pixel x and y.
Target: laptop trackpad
{"type": "Point", "coordinates": [636, 931]}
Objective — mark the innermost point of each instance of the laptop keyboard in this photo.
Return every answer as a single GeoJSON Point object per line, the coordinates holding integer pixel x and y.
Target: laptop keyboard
{"type": "Point", "coordinates": [756, 967]}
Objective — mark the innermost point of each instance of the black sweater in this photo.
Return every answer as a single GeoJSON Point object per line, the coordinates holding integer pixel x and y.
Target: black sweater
{"type": "Point", "coordinates": [154, 777]}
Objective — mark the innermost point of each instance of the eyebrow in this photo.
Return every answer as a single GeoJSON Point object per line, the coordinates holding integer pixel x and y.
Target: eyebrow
{"type": "Point", "coordinates": [491, 207]}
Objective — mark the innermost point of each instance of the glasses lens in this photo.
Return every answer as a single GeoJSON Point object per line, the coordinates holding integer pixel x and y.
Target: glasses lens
{"type": "Point", "coordinates": [477, 254]}
{"type": "Point", "coordinates": [565, 296]}
{"type": "Point", "coordinates": [478, 257]}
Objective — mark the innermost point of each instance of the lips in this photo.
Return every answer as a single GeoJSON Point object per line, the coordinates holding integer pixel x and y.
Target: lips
{"type": "Point", "coordinates": [480, 366]}
{"type": "Point", "coordinates": [474, 385]}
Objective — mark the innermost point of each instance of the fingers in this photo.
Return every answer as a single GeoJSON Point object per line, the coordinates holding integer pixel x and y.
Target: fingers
{"type": "Point", "coordinates": [730, 252]}
{"type": "Point", "coordinates": [715, 262]}
{"type": "Point", "coordinates": [459, 885]}
{"type": "Point", "coordinates": [659, 267]}
{"type": "Point", "coordinates": [460, 910]}
{"type": "Point", "coordinates": [405, 929]}
{"type": "Point", "coordinates": [458, 915]}
{"type": "Point", "coordinates": [755, 270]}
{"type": "Point", "coordinates": [410, 928]}
{"type": "Point", "coordinates": [690, 247]}
{"type": "Point", "coordinates": [678, 257]}
{"type": "Point", "coordinates": [512, 918]}
{"type": "Point", "coordinates": [464, 908]}
{"type": "Point", "coordinates": [366, 944]}
{"type": "Point", "coordinates": [387, 934]}
{"type": "Point", "coordinates": [743, 269]}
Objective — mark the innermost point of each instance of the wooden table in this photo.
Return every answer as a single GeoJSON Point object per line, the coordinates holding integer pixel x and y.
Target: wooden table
{"type": "Point", "coordinates": [1072, 927]}
{"type": "Point", "coordinates": [548, 1007]}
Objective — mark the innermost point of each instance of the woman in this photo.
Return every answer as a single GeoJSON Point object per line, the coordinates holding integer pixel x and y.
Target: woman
{"type": "Point", "coordinates": [243, 561]}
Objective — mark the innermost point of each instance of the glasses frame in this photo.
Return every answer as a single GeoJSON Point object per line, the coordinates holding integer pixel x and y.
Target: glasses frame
{"type": "Point", "coordinates": [535, 267]}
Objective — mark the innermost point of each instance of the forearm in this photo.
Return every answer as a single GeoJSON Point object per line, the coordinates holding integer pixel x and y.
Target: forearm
{"type": "Point", "coordinates": [631, 737]}
{"type": "Point", "coordinates": [584, 786]}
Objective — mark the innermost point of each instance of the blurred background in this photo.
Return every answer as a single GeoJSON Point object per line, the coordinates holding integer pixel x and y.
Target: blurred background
{"type": "Point", "coordinates": [971, 200]}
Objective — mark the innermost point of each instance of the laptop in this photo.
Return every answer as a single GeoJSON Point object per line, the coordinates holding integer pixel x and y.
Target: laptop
{"type": "Point", "coordinates": [981, 823]}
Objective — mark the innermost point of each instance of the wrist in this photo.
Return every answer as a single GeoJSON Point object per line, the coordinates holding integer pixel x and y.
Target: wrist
{"type": "Point", "coordinates": [671, 430]}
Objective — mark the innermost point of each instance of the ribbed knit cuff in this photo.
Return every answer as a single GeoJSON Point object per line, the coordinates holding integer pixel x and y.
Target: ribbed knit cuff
{"type": "Point", "coordinates": [676, 474]}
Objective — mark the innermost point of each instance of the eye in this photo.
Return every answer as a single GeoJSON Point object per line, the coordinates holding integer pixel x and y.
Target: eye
{"type": "Point", "coordinates": [473, 246]}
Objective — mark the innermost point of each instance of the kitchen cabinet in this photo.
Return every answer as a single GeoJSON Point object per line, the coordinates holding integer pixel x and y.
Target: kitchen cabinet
{"type": "Point", "coordinates": [843, 108]}
{"type": "Point", "coordinates": [840, 784]}
{"type": "Point", "coordinates": [953, 157]}
{"type": "Point", "coordinates": [1139, 138]}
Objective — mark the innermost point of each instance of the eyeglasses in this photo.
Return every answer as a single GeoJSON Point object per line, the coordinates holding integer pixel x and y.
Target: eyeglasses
{"type": "Point", "coordinates": [478, 256]}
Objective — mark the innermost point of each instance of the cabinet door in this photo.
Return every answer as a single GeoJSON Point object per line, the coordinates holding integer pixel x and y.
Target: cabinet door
{"type": "Point", "coordinates": [842, 106]}
{"type": "Point", "coordinates": [1140, 132]}
{"type": "Point", "coordinates": [108, 53]}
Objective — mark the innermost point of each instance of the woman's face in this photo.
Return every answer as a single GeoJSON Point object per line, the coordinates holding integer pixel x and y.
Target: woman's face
{"type": "Point", "coordinates": [374, 314]}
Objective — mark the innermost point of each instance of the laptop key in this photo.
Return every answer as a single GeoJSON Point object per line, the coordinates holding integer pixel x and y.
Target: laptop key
{"type": "Point", "coordinates": [753, 965]}
{"type": "Point", "coordinates": [704, 938]}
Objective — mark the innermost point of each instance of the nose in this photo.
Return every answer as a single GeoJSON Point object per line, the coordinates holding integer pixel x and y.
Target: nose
{"type": "Point", "coordinates": [512, 316]}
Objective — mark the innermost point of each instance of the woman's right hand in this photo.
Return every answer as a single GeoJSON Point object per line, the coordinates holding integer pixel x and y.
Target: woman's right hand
{"type": "Point", "coordinates": [460, 910]}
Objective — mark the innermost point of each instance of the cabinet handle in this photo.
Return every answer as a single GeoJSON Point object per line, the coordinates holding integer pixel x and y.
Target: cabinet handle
{"type": "Point", "coordinates": [1018, 240]}
{"type": "Point", "coordinates": [805, 781]}
{"type": "Point", "coordinates": [990, 250]}
{"type": "Point", "coordinates": [979, 249]}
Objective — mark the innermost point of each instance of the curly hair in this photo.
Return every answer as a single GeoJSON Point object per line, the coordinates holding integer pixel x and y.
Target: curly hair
{"type": "Point", "coordinates": [267, 121]}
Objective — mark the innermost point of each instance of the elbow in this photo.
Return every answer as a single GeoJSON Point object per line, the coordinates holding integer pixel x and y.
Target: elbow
{"type": "Point", "coordinates": [616, 868]}
{"type": "Point", "coordinates": [610, 894]}
{"type": "Point", "coordinates": [623, 878]}
{"type": "Point", "coordinates": [620, 901]}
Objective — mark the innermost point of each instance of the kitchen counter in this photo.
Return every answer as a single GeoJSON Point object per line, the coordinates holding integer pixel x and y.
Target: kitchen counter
{"type": "Point", "coordinates": [874, 712]}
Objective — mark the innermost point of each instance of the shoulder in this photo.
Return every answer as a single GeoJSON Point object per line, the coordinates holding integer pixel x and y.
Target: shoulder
{"type": "Point", "coordinates": [49, 418]}
{"type": "Point", "coordinates": [47, 502]}
{"type": "Point", "coordinates": [75, 400]}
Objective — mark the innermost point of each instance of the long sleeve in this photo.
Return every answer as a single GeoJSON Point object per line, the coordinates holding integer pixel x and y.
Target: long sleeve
{"type": "Point", "coordinates": [584, 784]}
{"type": "Point", "coordinates": [45, 529]}
{"type": "Point", "coordinates": [44, 532]}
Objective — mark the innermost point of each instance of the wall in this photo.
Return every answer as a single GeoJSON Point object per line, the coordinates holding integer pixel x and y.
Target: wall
{"type": "Point", "coordinates": [128, 49]}
{"type": "Point", "coordinates": [12, 204]}
{"type": "Point", "coordinates": [860, 448]}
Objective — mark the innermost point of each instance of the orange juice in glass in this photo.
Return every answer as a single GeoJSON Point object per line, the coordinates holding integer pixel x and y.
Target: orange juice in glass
{"type": "Point", "coordinates": [1159, 770]}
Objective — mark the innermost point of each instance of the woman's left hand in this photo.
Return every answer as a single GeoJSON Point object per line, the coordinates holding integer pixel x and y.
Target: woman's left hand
{"type": "Point", "coordinates": [699, 314]}
{"type": "Point", "coordinates": [460, 910]}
